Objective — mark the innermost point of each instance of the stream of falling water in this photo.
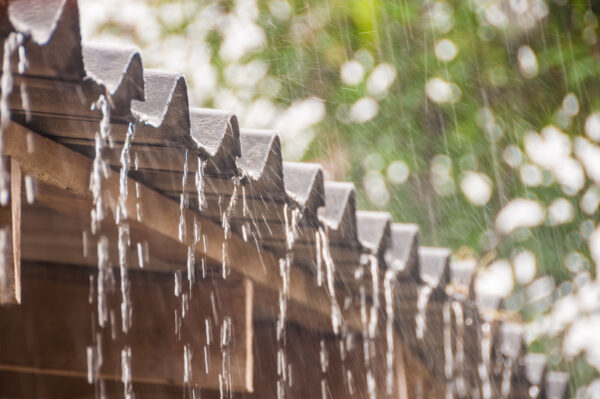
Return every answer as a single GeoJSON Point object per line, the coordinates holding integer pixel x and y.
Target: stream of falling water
{"type": "Point", "coordinates": [291, 219]}
{"type": "Point", "coordinates": [484, 366]}
{"type": "Point", "coordinates": [226, 224]}
{"type": "Point", "coordinates": [324, 360]}
{"type": "Point", "coordinates": [319, 258]}
{"type": "Point", "coordinates": [208, 328]}
{"type": "Point", "coordinates": [123, 230]}
{"type": "Point", "coordinates": [373, 320]}
{"type": "Point", "coordinates": [374, 316]}
{"type": "Point", "coordinates": [126, 373]}
{"type": "Point", "coordinates": [125, 160]}
{"type": "Point", "coordinates": [94, 363]}
{"type": "Point", "coordinates": [421, 317]}
{"type": "Point", "coordinates": [199, 181]}
{"type": "Point", "coordinates": [11, 44]}
{"type": "Point", "coordinates": [22, 68]}
{"type": "Point", "coordinates": [225, 377]}
{"type": "Point", "coordinates": [226, 215]}
{"type": "Point", "coordinates": [105, 280]}
{"type": "Point", "coordinates": [324, 256]}
{"type": "Point", "coordinates": [364, 323]}
{"type": "Point", "coordinates": [388, 289]}
{"type": "Point", "coordinates": [100, 168]}
{"type": "Point", "coordinates": [183, 200]}
{"type": "Point", "coordinates": [282, 365]}
{"type": "Point", "coordinates": [368, 351]}
{"type": "Point", "coordinates": [459, 358]}
{"type": "Point", "coordinates": [126, 309]}
{"type": "Point", "coordinates": [448, 356]}
{"type": "Point", "coordinates": [187, 370]}
{"type": "Point", "coordinates": [25, 104]}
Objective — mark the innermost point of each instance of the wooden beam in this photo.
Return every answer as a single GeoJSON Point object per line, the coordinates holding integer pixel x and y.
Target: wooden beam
{"type": "Point", "coordinates": [57, 324]}
{"type": "Point", "coordinates": [25, 383]}
{"type": "Point", "coordinates": [66, 170]}
{"type": "Point", "coordinates": [10, 220]}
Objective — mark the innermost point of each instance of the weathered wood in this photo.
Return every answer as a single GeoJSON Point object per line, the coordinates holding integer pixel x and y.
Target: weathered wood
{"type": "Point", "coordinates": [51, 331]}
{"type": "Point", "coordinates": [10, 220]}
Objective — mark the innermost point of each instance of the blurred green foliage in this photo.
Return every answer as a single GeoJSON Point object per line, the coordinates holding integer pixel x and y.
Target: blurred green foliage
{"type": "Point", "coordinates": [411, 128]}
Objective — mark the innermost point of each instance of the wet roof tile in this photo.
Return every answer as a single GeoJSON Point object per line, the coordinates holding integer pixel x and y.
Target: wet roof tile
{"type": "Point", "coordinates": [304, 184]}
{"type": "Point", "coordinates": [339, 212]}
{"type": "Point", "coordinates": [403, 251]}
{"type": "Point", "coordinates": [261, 161]}
{"type": "Point", "coordinates": [55, 45]}
{"type": "Point", "coordinates": [165, 110]}
{"type": "Point", "coordinates": [374, 230]}
{"type": "Point", "coordinates": [217, 134]}
{"type": "Point", "coordinates": [118, 69]}
{"type": "Point", "coordinates": [434, 266]}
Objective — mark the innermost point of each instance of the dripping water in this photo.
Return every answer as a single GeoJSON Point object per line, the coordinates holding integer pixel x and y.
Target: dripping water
{"type": "Point", "coordinates": [121, 216]}
{"type": "Point", "coordinates": [325, 257]}
{"type": "Point", "coordinates": [126, 373]}
{"type": "Point", "coordinates": [91, 376]}
{"type": "Point", "coordinates": [284, 272]}
{"type": "Point", "coordinates": [100, 169]}
{"type": "Point", "coordinates": [177, 279]}
{"type": "Point", "coordinates": [187, 364]}
{"type": "Point", "coordinates": [484, 366]}
{"type": "Point", "coordinates": [94, 360]}
{"type": "Point", "coordinates": [11, 43]}
{"type": "Point", "coordinates": [191, 275]}
{"type": "Point", "coordinates": [421, 317]}
{"type": "Point", "coordinates": [183, 200]}
{"type": "Point", "coordinates": [388, 286]}
{"type": "Point", "coordinates": [460, 348]}
{"type": "Point", "coordinates": [22, 68]}
{"type": "Point", "coordinates": [29, 189]}
{"type": "Point", "coordinates": [199, 180]}
{"type": "Point", "coordinates": [126, 309]}
{"type": "Point", "coordinates": [319, 259]}
{"type": "Point", "coordinates": [371, 384]}
{"type": "Point", "coordinates": [105, 280]}
{"type": "Point", "coordinates": [142, 253]}
{"type": "Point", "coordinates": [226, 215]}
{"type": "Point", "coordinates": [226, 224]}
{"type": "Point", "coordinates": [374, 311]}
{"type": "Point", "coordinates": [225, 377]}
{"type": "Point", "coordinates": [125, 159]}
{"type": "Point", "coordinates": [448, 358]}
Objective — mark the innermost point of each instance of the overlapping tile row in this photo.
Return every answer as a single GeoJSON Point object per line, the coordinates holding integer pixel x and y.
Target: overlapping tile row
{"type": "Point", "coordinates": [237, 177]}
